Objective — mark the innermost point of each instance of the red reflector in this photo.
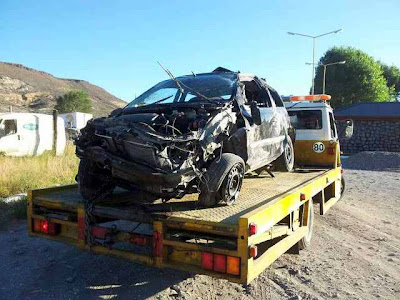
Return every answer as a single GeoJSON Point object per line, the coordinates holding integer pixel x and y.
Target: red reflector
{"type": "Point", "coordinates": [302, 197]}
{"type": "Point", "coordinates": [342, 171]}
{"type": "Point", "coordinates": [253, 251]}
{"type": "Point", "coordinates": [252, 229]}
{"type": "Point", "coordinates": [220, 263]}
{"type": "Point", "coordinates": [46, 227]}
{"type": "Point", "coordinates": [207, 260]}
{"type": "Point", "coordinates": [99, 232]}
{"type": "Point", "coordinates": [331, 150]}
{"type": "Point", "coordinates": [138, 240]}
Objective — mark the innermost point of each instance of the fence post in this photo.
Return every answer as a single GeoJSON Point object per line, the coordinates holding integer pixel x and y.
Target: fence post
{"type": "Point", "coordinates": [55, 118]}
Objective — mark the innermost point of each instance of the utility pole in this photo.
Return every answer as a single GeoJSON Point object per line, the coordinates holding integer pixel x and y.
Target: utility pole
{"type": "Point", "coordinates": [314, 38]}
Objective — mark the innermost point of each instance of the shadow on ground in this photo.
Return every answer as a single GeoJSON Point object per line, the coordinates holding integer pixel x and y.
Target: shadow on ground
{"type": "Point", "coordinates": [34, 268]}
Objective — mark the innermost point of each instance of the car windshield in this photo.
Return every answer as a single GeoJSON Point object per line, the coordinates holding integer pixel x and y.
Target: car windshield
{"type": "Point", "coordinates": [210, 87]}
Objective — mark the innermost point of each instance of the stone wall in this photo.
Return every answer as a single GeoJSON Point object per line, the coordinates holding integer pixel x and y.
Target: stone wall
{"type": "Point", "coordinates": [371, 135]}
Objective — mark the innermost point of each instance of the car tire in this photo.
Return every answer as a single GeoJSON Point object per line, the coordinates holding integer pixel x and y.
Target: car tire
{"type": "Point", "coordinates": [92, 182]}
{"type": "Point", "coordinates": [222, 181]}
{"type": "Point", "coordinates": [285, 162]}
{"type": "Point", "coordinates": [305, 242]}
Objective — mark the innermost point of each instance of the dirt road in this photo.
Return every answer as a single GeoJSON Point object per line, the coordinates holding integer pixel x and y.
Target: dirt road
{"type": "Point", "coordinates": [355, 254]}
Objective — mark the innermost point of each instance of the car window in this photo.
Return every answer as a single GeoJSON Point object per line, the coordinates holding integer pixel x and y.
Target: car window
{"type": "Point", "coordinates": [306, 119]}
{"type": "Point", "coordinates": [255, 93]}
{"type": "Point", "coordinates": [8, 127]}
{"type": "Point", "coordinates": [277, 99]}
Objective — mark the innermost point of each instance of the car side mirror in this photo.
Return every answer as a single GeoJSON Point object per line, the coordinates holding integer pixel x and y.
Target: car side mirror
{"type": "Point", "coordinates": [255, 113]}
{"type": "Point", "coordinates": [349, 129]}
{"type": "Point", "coordinates": [116, 112]}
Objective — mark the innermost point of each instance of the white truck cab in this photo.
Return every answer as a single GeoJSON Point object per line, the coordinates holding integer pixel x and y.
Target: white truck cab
{"type": "Point", "coordinates": [316, 131]}
{"type": "Point", "coordinates": [26, 134]}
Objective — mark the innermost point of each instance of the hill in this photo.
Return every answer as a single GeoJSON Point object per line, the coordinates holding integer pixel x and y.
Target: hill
{"type": "Point", "coordinates": [29, 90]}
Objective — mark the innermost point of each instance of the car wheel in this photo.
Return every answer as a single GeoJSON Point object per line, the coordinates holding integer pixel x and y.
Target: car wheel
{"type": "Point", "coordinates": [92, 182]}
{"type": "Point", "coordinates": [305, 242]}
{"type": "Point", "coordinates": [222, 181]}
{"type": "Point", "coordinates": [285, 162]}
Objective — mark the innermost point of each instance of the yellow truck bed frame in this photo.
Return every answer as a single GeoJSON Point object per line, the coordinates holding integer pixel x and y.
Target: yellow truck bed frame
{"type": "Point", "coordinates": [179, 235]}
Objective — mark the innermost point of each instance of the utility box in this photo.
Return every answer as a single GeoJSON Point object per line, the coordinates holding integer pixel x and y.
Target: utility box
{"type": "Point", "coordinates": [26, 134]}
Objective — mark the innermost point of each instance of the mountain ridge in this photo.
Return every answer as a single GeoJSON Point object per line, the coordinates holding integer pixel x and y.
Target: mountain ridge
{"type": "Point", "coordinates": [30, 90]}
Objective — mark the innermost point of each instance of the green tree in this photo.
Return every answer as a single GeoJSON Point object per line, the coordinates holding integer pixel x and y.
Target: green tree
{"type": "Point", "coordinates": [359, 79]}
{"type": "Point", "coordinates": [74, 101]}
{"type": "Point", "coordinates": [392, 76]}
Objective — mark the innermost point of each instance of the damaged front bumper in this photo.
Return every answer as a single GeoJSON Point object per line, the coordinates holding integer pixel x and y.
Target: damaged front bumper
{"type": "Point", "coordinates": [137, 175]}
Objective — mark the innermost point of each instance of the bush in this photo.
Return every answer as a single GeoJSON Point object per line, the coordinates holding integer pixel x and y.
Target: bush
{"type": "Point", "coordinates": [74, 101]}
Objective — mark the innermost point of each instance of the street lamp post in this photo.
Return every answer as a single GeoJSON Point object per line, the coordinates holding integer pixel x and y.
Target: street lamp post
{"type": "Point", "coordinates": [325, 65]}
{"type": "Point", "coordinates": [314, 38]}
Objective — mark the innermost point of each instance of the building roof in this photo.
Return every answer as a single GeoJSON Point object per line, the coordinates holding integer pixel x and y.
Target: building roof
{"type": "Point", "coordinates": [370, 110]}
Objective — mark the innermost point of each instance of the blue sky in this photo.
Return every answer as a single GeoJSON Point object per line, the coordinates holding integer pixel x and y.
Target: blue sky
{"type": "Point", "coordinates": [115, 44]}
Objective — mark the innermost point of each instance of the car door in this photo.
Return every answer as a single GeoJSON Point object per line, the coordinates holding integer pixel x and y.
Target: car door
{"type": "Point", "coordinates": [263, 139]}
{"type": "Point", "coordinates": [10, 139]}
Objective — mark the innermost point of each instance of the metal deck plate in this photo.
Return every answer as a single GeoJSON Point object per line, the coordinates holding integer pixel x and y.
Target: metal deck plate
{"type": "Point", "coordinates": [256, 191]}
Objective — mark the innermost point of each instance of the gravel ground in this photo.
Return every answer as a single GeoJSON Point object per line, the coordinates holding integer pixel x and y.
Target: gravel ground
{"type": "Point", "coordinates": [373, 161]}
{"type": "Point", "coordinates": [354, 254]}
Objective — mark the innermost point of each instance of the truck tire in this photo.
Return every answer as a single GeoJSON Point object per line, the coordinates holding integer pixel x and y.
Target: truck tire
{"type": "Point", "coordinates": [91, 181]}
{"type": "Point", "coordinates": [222, 181]}
{"type": "Point", "coordinates": [285, 162]}
{"type": "Point", "coordinates": [305, 242]}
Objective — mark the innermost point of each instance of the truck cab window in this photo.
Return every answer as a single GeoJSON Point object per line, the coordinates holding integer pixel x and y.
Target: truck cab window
{"type": "Point", "coordinates": [8, 127]}
{"type": "Point", "coordinates": [306, 119]}
{"type": "Point", "coordinates": [332, 125]}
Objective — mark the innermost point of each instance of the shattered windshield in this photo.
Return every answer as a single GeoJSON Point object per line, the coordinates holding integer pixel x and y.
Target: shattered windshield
{"type": "Point", "coordinates": [210, 87]}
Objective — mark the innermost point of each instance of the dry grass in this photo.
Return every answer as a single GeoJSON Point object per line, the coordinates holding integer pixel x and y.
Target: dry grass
{"type": "Point", "coordinates": [17, 175]}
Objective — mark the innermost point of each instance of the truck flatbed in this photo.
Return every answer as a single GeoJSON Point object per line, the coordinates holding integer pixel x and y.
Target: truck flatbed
{"type": "Point", "coordinates": [256, 191]}
{"type": "Point", "coordinates": [237, 242]}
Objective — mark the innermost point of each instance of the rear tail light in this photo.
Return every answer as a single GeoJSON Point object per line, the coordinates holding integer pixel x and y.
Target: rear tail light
{"type": "Point", "coordinates": [331, 150]}
{"type": "Point", "coordinates": [233, 265]}
{"type": "Point", "coordinates": [342, 171]}
{"type": "Point", "coordinates": [220, 263]}
{"type": "Point", "coordinates": [46, 227]}
{"type": "Point", "coordinates": [252, 228]}
{"type": "Point", "coordinates": [302, 197]}
{"type": "Point", "coordinates": [207, 260]}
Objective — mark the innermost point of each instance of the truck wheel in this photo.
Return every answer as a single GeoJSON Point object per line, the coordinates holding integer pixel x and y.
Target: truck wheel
{"type": "Point", "coordinates": [305, 242]}
{"type": "Point", "coordinates": [91, 182]}
{"type": "Point", "coordinates": [342, 187]}
{"type": "Point", "coordinates": [222, 181]}
{"type": "Point", "coordinates": [285, 162]}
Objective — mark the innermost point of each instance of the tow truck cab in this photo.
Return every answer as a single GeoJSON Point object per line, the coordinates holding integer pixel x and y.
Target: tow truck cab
{"type": "Point", "coordinates": [317, 141]}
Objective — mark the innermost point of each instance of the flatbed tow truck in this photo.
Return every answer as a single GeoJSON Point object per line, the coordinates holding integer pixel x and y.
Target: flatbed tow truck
{"type": "Point", "coordinates": [272, 216]}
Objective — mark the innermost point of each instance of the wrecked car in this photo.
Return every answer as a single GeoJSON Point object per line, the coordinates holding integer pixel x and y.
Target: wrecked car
{"type": "Point", "coordinates": [195, 133]}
